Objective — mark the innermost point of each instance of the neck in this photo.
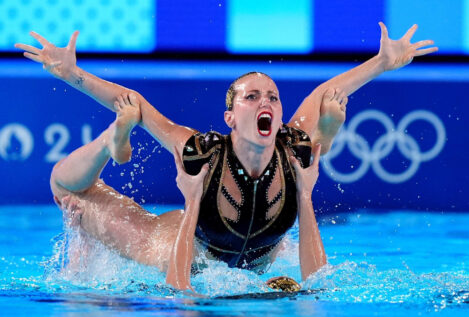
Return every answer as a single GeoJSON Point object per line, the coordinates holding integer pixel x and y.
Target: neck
{"type": "Point", "coordinates": [254, 158]}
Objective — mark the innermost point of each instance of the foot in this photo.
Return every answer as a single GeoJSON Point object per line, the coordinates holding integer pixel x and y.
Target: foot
{"type": "Point", "coordinates": [332, 115]}
{"type": "Point", "coordinates": [128, 116]}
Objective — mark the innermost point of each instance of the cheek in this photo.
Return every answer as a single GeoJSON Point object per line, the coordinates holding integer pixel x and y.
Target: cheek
{"type": "Point", "coordinates": [279, 114]}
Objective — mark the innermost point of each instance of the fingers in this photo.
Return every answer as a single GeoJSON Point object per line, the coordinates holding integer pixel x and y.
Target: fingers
{"type": "Point", "coordinates": [420, 44]}
{"type": "Point", "coordinates": [203, 170]}
{"type": "Point", "coordinates": [410, 32]}
{"type": "Point", "coordinates": [295, 163]}
{"type": "Point", "coordinates": [39, 38]}
{"type": "Point", "coordinates": [28, 48]}
{"type": "Point", "coordinates": [72, 44]}
{"type": "Point", "coordinates": [426, 51]}
{"type": "Point", "coordinates": [33, 57]}
{"type": "Point", "coordinates": [384, 30]}
{"type": "Point", "coordinates": [316, 155]}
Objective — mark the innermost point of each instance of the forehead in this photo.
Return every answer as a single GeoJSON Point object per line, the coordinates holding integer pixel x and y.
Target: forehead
{"type": "Point", "coordinates": [255, 82]}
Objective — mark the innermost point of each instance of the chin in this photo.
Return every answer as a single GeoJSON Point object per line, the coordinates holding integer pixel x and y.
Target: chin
{"type": "Point", "coordinates": [266, 140]}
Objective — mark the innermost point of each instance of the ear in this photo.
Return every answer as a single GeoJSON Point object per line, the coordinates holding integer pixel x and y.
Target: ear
{"type": "Point", "coordinates": [229, 118]}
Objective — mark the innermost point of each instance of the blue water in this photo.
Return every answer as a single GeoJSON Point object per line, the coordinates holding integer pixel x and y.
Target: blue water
{"type": "Point", "coordinates": [387, 264]}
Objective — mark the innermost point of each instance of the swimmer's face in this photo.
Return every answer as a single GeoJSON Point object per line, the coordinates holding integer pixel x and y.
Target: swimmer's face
{"type": "Point", "coordinates": [256, 115]}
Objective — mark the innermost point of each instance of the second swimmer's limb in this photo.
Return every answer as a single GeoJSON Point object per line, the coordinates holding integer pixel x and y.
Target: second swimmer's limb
{"type": "Point", "coordinates": [180, 262]}
{"type": "Point", "coordinates": [61, 63]}
{"type": "Point", "coordinates": [392, 55]}
{"type": "Point", "coordinates": [312, 255]}
{"type": "Point", "coordinates": [81, 169]}
{"type": "Point", "coordinates": [102, 212]}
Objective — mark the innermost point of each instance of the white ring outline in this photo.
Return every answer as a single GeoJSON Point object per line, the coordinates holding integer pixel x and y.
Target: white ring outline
{"type": "Point", "coordinates": [383, 146]}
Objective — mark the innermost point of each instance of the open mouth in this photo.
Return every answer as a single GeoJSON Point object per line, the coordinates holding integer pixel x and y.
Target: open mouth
{"type": "Point", "coordinates": [264, 123]}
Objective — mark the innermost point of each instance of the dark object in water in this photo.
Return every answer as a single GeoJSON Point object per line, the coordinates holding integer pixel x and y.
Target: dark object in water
{"type": "Point", "coordinates": [272, 295]}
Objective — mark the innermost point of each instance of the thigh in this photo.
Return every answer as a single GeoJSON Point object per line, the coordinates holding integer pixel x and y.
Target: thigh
{"type": "Point", "coordinates": [121, 224]}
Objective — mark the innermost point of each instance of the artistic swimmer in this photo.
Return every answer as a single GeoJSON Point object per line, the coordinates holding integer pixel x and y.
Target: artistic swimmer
{"type": "Point", "coordinates": [255, 180]}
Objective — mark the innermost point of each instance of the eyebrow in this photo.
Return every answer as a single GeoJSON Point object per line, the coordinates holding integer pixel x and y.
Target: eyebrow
{"type": "Point", "coordinates": [257, 91]}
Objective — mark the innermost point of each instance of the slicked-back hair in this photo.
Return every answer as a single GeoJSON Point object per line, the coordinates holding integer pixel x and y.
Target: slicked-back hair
{"type": "Point", "coordinates": [231, 92]}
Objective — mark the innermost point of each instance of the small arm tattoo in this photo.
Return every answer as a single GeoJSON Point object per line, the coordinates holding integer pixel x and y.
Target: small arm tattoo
{"type": "Point", "coordinates": [79, 81]}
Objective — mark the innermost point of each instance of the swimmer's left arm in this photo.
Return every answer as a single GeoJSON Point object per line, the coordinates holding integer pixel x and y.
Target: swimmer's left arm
{"type": "Point", "coordinates": [393, 54]}
{"type": "Point", "coordinates": [61, 62]}
{"type": "Point", "coordinates": [311, 248]}
{"type": "Point", "coordinates": [179, 269]}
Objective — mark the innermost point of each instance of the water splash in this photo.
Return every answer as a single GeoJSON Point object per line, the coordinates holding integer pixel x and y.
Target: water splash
{"type": "Point", "coordinates": [104, 271]}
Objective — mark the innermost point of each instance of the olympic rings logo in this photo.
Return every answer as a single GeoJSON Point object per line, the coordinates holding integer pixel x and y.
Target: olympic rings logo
{"type": "Point", "coordinates": [383, 146]}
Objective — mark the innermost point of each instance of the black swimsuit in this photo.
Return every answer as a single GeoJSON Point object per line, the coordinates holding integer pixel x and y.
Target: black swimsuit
{"type": "Point", "coordinates": [245, 242]}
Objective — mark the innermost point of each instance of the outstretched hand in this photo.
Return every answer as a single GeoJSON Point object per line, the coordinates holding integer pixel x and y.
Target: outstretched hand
{"type": "Point", "coordinates": [398, 53]}
{"type": "Point", "coordinates": [190, 186]}
{"type": "Point", "coordinates": [306, 177]}
{"type": "Point", "coordinates": [59, 61]}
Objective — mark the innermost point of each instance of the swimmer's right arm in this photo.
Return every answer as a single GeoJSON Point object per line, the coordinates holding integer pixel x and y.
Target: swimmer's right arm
{"type": "Point", "coordinates": [179, 269]}
{"type": "Point", "coordinates": [311, 248]}
{"type": "Point", "coordinates": [61, 63]}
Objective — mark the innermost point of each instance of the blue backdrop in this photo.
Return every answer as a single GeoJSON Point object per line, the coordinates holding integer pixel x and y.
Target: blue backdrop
{"type": "Point", "coordinates": [226, 26]}
{"type": "Point", "coordinates": [404, 144]}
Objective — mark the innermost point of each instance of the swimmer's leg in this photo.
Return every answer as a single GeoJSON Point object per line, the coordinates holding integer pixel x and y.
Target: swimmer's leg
{"type": "Point", "coordinates": [81, 169]}
{"type": "Point", "coordinates": [114, 219]}
{"type": "Point", "coordinates": [332, 117]}
{"type": "Point", "coordinates": [123, 225]}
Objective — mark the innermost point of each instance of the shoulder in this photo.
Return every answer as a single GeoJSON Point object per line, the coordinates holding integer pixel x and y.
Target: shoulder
{"type": "Point", "coordinates": [292, 134]}
{"type": "Point", "coordinates": [298, 141]}
{"type": "Point", "coordinates": [199, 144]}
{"type": "Point", "coordinates": [199, 150]}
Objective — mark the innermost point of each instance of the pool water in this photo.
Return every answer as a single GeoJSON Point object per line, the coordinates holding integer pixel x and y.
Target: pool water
{"type": "Point", "coordinates": [380, 263]}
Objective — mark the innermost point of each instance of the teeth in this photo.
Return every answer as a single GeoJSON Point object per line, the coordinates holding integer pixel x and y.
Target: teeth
{"type": "Point", "coordinates": [265, 115]}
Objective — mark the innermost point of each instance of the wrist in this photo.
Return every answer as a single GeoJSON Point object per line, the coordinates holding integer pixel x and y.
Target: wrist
{"type": "Point", "coordinates": [304, 196]}
{"type": "Point", "coordinates": [73, 76]}
{"type": "Point", "coordinates": [380, 61]}
{"type": "Point", "coordinates": [193, 203]}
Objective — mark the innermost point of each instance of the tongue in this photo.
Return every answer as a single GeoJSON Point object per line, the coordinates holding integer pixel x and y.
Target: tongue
{"type": "Point", "coordinates": [263, 124]}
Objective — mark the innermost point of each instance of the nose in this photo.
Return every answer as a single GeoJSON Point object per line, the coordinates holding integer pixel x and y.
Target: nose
{"type": "Point", "coordinates": [265, 100]}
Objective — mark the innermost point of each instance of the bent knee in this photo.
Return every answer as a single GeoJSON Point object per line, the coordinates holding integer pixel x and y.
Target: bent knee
{"type": "Point", "coordinates": [57, 189]}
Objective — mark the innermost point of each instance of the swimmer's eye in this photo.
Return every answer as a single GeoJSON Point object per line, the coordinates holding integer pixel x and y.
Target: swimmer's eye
{"type": "Point", "coordinates": [251, 97]}
{"type": "Point", "coordinates": [273, 98]}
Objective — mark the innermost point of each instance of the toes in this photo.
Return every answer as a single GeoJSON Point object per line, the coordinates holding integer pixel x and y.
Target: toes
{"type": "Point", "coordinates": [329, 94]}
{"type": "Point", "coordinates": [343, 104]}
{"type": "Point", "coordinates": [338, 94]}
{"type": "Point", "coordinates": [117, 106]}
{"type": "Point", "coordinates": [133, 99]}
{"type": "Point", "coordinates": [120, 99]}
{"type": "Point", "coordinates": [126, 99]}
{"type": "Point", "coordinates": [344, 101]}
